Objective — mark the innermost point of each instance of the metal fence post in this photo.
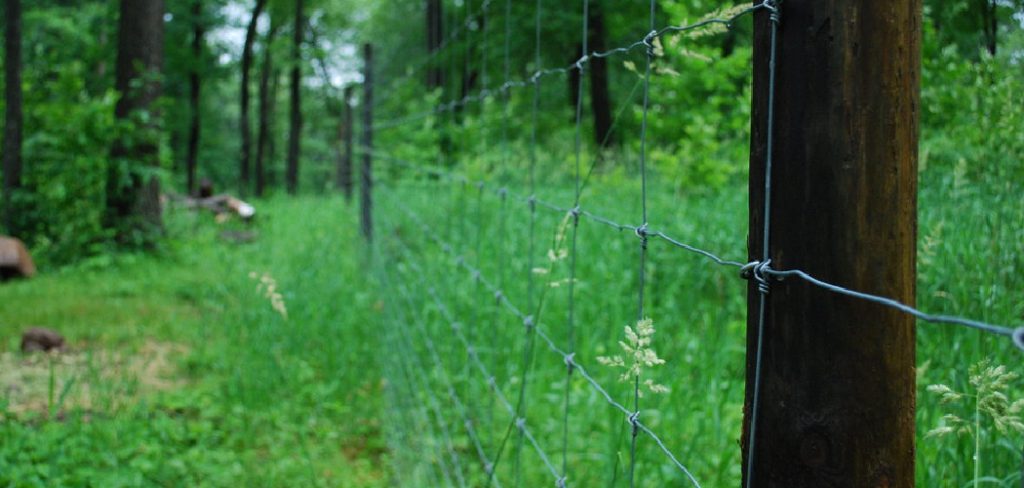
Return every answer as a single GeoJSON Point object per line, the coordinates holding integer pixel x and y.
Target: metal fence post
{"type": "Point", "coordinates": [346, 138]}
{"type": "Point", "coordinates": [366, 202]}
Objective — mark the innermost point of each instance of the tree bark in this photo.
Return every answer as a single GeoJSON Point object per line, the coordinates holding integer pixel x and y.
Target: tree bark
{"type": "Point", "coordinates": [990, 25]}
{"type": "Point", "coordinates": [434, 39]}
{"type": "Point", "coordinates": [600, 100]}
{"type": "Point", "coordinates": [133, 191]}
{"type": "Point", "coordinates": [266, 96]}
{"type": "Point", "coordinates": [250, 38]}
{"type": "Point", "coordinates": [295, 133]}
{"type": "Point", "coordinates": [191, 160]}
{"type": "Point", "coordinates": [837, 383]}
{"type": "Point", "coordinates": [12, 113]}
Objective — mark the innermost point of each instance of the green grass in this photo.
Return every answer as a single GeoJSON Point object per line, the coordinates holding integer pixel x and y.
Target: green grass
{"type": "Point", "coordinates": [181, 374]}
{"type": "Point", "coordinates": [970, 258]}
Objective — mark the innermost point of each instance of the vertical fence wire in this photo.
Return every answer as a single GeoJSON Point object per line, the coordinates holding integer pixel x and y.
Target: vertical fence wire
{"type": "Point", "coordinates": [765, 250]}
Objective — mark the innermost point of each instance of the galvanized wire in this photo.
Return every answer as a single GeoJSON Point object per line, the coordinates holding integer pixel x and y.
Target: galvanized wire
{"type": "Point", "coordinates": [761, 270]}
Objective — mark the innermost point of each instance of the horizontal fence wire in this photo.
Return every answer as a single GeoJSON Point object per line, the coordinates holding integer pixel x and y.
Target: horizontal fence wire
{"type": "Point", "coordinates": [753, 269]}
{"type": "Point", "coordinates": [404, 292]}
{"type": "Point", "coordinates": [760, 271]}
{"type": "Point", "coordinates": [569, 360]}
{"type": "Point", "coordinates": [471, 350]}
{"type": "Point", "coordinates": [578, 65]}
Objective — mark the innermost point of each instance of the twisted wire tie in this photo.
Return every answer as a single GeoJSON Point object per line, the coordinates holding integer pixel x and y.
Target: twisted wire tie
{"type": "Point", "coordinates": [476, 275]}
{"type": "Point", "coordinates": [560, 482]}
{"type": "Point", "coordinates": [635, 422]}
{"type": "Point", "coordinates": [528, 322]}
{"type": "Point", "coordinates": [649, 42]}
{"type": "Point", "coordinates": [492, 382]}
{"type": "Point", "coordinates": [773, 7]}
{"type": "Point", "coordinates": [579, 62]}
{"type": "Point", "coordinates": [576, 212]}
{"type": "Point", "coordinates": [521, 423]}
{"type": "Point", "coordinates": [1018, 337]}
{"type": "Point", "coordinates": [498, 296]}
{"type": "Point", "coordinates": [642, 233]}
{"type": "Point", "coordinates": [532, 201]}
{"type": "Point", "coordinates": [570, 361]}
{"type": "Point", "coordinates": [758, 270]}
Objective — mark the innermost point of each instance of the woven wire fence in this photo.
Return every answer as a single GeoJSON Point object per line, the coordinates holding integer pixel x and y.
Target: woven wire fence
{"type": "Point", "coordinates": [490, 386]}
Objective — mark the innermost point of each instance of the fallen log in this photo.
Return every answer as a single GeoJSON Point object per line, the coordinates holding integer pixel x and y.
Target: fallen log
{"type": "Point", "coordinates": [218, 204]}
{"type": "Point", "coordinates": [15, 261]}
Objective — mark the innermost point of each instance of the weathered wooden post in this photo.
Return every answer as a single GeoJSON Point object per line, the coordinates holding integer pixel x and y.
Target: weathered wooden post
{"type": "Point", "coordinates": [366, 188]}
{"type": "Point", "coordinates": [836, 399]}
{"type": "Point", "coordinates": [344, 179]}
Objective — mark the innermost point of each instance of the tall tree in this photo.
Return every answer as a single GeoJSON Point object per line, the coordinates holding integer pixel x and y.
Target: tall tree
{"type": "Point", "coordinates": [133, 191]}
{"type": "Point", "coordinates": [13, 115]}
{"type": "Point", "coordinates": [250, 38]}
{"type": "Point", "coordinates": [600, 100]}
{"type": "Point", "coordinates": [434, 34]}
{"type": "Point", "coordinates": [267, 96]}
{"type": "Point", "coordinates": [198, 31]}
{"type": "Point", "coordinates": [295, 133]}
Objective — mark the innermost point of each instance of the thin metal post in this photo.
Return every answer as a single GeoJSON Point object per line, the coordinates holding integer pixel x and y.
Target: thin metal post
{"type": "Point", "coordinates": [366, 202]}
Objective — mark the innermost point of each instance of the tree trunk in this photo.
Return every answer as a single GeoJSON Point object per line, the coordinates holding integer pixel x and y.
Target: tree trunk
{"type": "Point", "coordinates": [191, 160]}
{"type": "Point", "coordinates": [837, 383]}
{"type": "Point", "coordinates": [990, 24]}
{"type": "Point", "coordinates": [250, 38]}
{"type": "Point", "coordinates": [600, 100]}
{"type": "Point", "coordinates": [434, 39]}
{"type": "Point", "coordinates": [295, 134]}
{"type": "Point", "coordinates": [133, 191]}
{"type": "Point", "coordinates": [13, 114]}
{"type": "Point", "coordinates": [266, 110]}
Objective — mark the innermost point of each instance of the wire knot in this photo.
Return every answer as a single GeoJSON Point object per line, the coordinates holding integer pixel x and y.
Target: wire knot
{"type": "Point", "coordinates": [642, 233]}
{"type": "Point", "coordinates": [532, 201]}
{"type": "Point", "coordinates": [503, 192]}
{"type": "Point", "coordinates": [521, 423]}
{"type": "Point", "coordinates": [579, 62]}
{"type": "Point", "coordinates": [528, 322]}
{"type": "Point", "coordinates": [649, 42]}
{"type": "Point", "coordinates": [570, 361]}
{"type": "Point", "coordinates": [492, 382]}
{"type": "Point", "coordinates": [634, 420]}
{"type": "Point", "coordinates": [1018, 337]}
{"type": "Point", "coordinates": [480, 185]}
{"type": "Point", "coordinates": [773, 7]}
{"type": "Point", "coordinates": [498, 295]}
{"type": "Point", "coordinates": [759, 271]}
{"type": "Point", "coordinates": [476, 275]}
{"type": "Point", "coordinates": [576, 212]}
{"type": "Point", "coordinates": [560, 482]}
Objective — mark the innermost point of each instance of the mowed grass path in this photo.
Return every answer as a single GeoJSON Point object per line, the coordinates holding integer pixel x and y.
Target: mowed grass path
{"type": "Point", "coordinates": [181, 373]}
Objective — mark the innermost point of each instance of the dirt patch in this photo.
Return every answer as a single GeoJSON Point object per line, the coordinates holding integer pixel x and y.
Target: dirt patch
{"type": "Point", "coordinates": [85, 379]}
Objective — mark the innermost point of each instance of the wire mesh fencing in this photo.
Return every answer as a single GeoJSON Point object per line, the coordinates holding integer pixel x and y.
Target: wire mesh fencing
{"type": "Point", "coordinates": [525, 326]}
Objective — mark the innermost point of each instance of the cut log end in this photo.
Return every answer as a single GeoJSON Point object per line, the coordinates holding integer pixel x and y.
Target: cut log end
{"type": "Point", "coordinates": [15, 261]}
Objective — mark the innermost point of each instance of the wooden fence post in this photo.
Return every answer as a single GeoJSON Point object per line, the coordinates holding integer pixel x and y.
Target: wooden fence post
{"type": "Point", "coordinates": [836, 399]}
{"type": "Point", "coordinates": [366, 175]}
{"type": "Point", "coordinates": [345, 138]}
